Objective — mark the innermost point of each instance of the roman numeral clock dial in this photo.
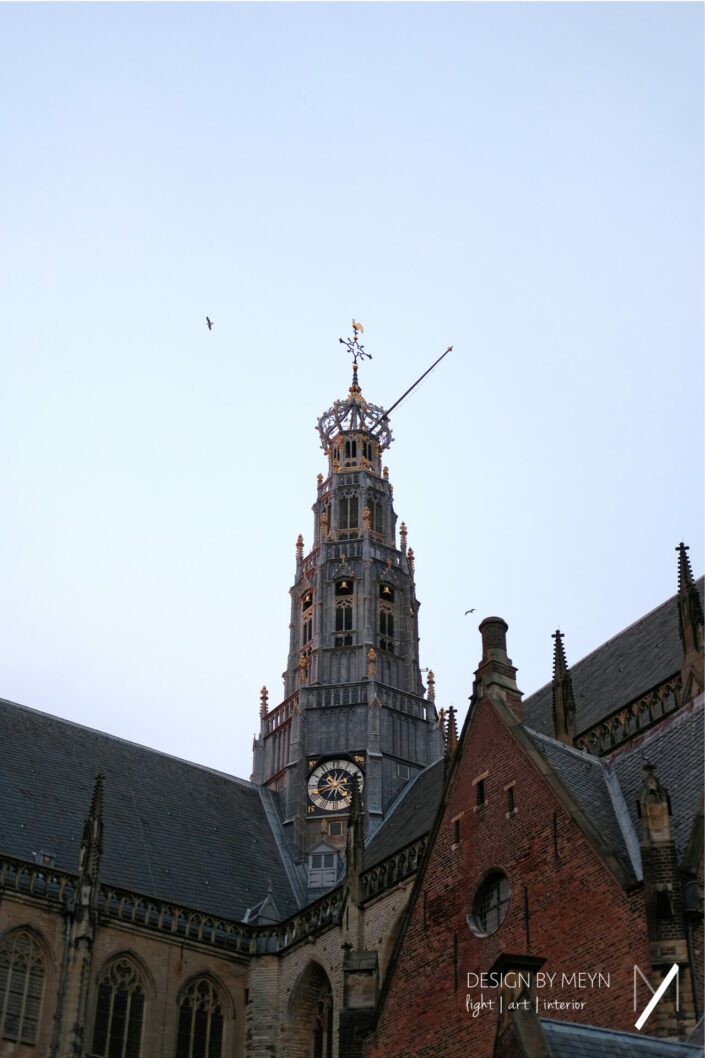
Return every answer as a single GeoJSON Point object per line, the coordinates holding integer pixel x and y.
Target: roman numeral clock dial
{"type": "Point", "coordinates": [330, 785]}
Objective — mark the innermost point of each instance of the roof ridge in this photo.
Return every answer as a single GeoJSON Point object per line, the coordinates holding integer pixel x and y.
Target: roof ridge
{"type": "Point", "coordinates": [581, 754]}
{"type": "Point", "coordinates": [617, 635]}
{"type": "Point", "coordinates": [125, 741]}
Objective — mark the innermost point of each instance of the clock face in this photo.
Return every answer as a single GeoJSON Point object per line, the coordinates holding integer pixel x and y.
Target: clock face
{"type": "Point", "coordinates": [330, 784]}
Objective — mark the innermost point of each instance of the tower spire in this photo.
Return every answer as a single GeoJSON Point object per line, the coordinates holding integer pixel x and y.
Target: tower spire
{"type": "Point", "coordinates": [563, 697]}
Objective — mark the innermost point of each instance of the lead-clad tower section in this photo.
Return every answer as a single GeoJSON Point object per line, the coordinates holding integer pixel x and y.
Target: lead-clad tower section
{"type": "Point", "coordinates": [355, 709]}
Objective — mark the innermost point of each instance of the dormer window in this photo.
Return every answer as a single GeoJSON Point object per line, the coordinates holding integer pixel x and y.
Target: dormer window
{"type": "Point", "coordinates": [322, 866]}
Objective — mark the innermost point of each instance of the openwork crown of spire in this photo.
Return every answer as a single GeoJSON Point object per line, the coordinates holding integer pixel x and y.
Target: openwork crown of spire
{"type": "Point", "coordinates": [354, 414]}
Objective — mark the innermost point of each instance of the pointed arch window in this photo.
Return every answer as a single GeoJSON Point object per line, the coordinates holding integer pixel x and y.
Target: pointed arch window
{"type": "Point", "coordinates": [306, 618]}
{"type": "Point", "coordinates": [21, 987]}
{"type": "Point", "coordinates": [348, 512]}
{"type": "Point", "coordinates": [200, 1031]}
{"type": "Point", "coordinates": [350, 451]}
{"type": "Point", "coordinates": [323, 1026]}
{"type": "Point", "coordinates": [119, 1012]}
{"type": "Point", "coordinates": [376, 517]}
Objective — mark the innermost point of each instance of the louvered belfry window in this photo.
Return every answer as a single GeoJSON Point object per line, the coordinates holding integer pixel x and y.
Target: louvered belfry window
{"type": "Point", "coordinates": [200, 1032]}
{"type": "Point", "coordinates": [21, 987]}
{"type": "Point", "coordinates": [119, 1011]}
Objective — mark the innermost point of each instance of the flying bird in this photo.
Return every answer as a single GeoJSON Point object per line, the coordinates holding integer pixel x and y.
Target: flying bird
{"type": "Point", "coordinates": [210, 323]}
{"type": "Point", "coordinates": [470, 611]}
{"type": "Point", "coordinates": [358, 327]}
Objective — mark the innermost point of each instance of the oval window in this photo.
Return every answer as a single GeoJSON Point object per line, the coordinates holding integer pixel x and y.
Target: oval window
{"type": "Point", "coordinates": [490, 905]}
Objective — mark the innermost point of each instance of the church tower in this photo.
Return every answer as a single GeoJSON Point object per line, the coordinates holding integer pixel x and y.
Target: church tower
{"type": "Point", "coordinates": [355, 708]}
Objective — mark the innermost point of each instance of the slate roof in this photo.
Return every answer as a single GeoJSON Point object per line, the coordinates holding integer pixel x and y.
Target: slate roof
{"type": "Point", "coordinates": [607, 788]}
{"type": "Point", "coordinates": [593, 783]}
{"type": "Point", "coordinates": [639, 658]}
{"type": "Point", "coordinates": [675, 747]}
{"type": "Point", "coordinates": [173, 830]}
{"type": "Point", "coordinates": [410, 816]}
{"type": "Point", "coordinates": [567, 1040]}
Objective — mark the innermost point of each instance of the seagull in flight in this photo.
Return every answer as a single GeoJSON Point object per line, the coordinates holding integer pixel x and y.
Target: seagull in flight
{"type": "Point", "coordinates": [209, 321]}
{"type": "Point", "coordinates": [470, 611]}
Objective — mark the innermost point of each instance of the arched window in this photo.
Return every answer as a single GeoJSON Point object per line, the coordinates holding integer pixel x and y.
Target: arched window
{"type": "Point", "coordinates": [310, 1024]}
{"type": "Point", "coordinates": [306, 618]}
{"type": "Point", "coordinates": [21, 987]}
{"type": "Point", "coordinates": [200, 1033]}
{"type": "Point", "coordinates": [323, 1026]}
{"type": "Point", "coordinates": [348, 512]}
{"type": "Point", "coordinates": [386, 627]}
{"type": "Point", "coordinates": [376, 517]}
{"type": "Point", "coordinates": [119, 1009]}
{"type": "Point", "coordinates": [343, 622]}
{"type": "Point", "coordinates": [350, 451]}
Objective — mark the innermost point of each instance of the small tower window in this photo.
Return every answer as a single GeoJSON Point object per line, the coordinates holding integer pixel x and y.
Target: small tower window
{"type": "Point", "coordinates": [386, 627]}
{"type": "Point", "coordinates": [480, 792]}
{"type": "Point", "coordinates": [307, 601]}
{"type": "Point", "coordinates": [386, 592]}
{"type": "Point", "coordinates": [307, 630]}
{"type": "Point", "coordinates": [348, 512]}
{"type": "Point", "coordinates": [350, 451]}
{"type": "Point", "coordinates": [376, 517]}
{"type": "Point", "coordinates": [344, 587]}
{"type": "Point", "coordinates": [343, 623]}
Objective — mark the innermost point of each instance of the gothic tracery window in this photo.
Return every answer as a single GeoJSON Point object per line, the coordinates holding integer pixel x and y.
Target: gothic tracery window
{"type": "Point", "coordinates": [343, 622]}
{"type": "Point", "coordinates": [306, 618]}
{"type": "Point", "coordinates": [21, 987]}
{"type": "Point", "coordinates": [119, 1010]}
{"type": "Point", "coordinates": [200, 1032]}
{"type": "Point", "coordinates": [323, 1026]}
{"type": "Point", "coordinates": [348, 512]}
{"type": "Point", "coordinates": [386, 627]}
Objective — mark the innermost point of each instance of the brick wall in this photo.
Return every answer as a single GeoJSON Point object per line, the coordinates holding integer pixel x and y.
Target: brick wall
{"type": "Point", "coordinates": [565, 906]}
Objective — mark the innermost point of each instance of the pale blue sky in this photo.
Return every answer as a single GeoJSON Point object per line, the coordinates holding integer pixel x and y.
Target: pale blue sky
{"type": "Point", "coordinates": [523, 181]}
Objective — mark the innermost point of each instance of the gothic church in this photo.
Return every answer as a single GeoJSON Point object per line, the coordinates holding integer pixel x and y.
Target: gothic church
{"type": "Point", "coordinates": [349, 899]}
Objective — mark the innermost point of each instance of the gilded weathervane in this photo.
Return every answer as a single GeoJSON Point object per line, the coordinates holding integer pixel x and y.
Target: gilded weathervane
{"type": "Point", "coordinates": [356, 350]}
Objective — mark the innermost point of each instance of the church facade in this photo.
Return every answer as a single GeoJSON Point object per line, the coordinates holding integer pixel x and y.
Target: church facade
{"type": "Point", "coordinates": [384, 884]}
